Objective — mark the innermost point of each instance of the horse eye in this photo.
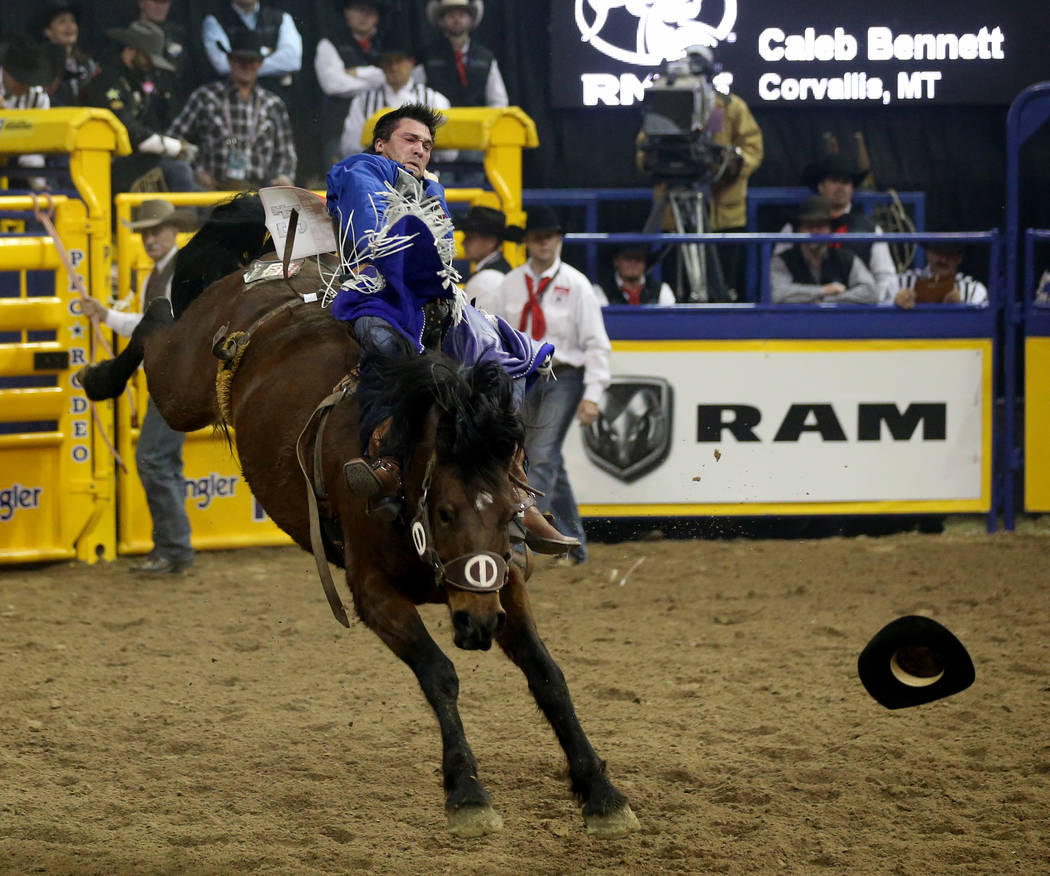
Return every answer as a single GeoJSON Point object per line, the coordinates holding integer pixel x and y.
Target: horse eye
{"type": "Point", "coordinates": [444, 515]}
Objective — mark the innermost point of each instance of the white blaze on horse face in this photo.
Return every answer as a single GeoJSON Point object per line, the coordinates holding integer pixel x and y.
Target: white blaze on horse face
{"type": "Point", "coordinates": [482, 501]}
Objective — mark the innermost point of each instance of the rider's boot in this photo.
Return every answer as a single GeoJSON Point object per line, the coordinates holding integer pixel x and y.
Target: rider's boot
{"type": "Point", "coordinates": [540, 534]}
{"type": "Point", "coordinates": [378, 481]}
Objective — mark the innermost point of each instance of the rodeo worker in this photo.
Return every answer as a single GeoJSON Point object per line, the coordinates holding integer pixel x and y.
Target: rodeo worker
{"type": "Point", "coordinates": [400, 291]}
{"type": "Point", "coordinates": [158, 454]}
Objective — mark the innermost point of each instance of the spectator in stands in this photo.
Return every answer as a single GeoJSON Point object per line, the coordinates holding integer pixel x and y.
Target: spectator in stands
{"type": "Point", "coordinates": [463, 70]}
{"type": "Point", "coordinates": [128, 88]}
{"type": "Point", "coordinates": [158, 454]}
{"type": "Point", "coordinates": [346, 63]}
{"type": "Point", "coordinates": [629, 282]}
{"type": "Point", "coordinates": [59, 25]}
{"type": "Point", "coordinates": [176, 43]}
{"type": "Point", "coordinates": [484, 231]}
{"type": "Point", "coordinates": [555, 302]}
{"type": "Point", "coordinates": [243, 130]}
{"type": "Point", "coordinates": [279, 39]}
{"type": "Point", "coordinates": [817, 272]}
{"type": "Point", "coordinates": [835, 176]}
{"type": "Point", "coordinates": [26, 69]}
{"type": "Point", "coordinates": [941, 281]}
{"type": "Point", "coordinates": [460, 68]}
{"type": "Point", "coordinates": [398, 89]}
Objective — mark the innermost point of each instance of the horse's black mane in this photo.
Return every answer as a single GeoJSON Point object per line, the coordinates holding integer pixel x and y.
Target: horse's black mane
{"type": "Point", "coordinates": [233, 235]}
{"type": "Point", "coordinates": [478, 430]}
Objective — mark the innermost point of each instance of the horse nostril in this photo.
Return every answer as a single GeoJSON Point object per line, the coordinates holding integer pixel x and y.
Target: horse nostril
{"type": "Point", "coordinates": [461, 619]}
{"type": "Point", "coordinates": [501, 620]}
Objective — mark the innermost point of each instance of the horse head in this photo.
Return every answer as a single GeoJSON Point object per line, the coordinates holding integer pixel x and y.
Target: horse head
{"type": "Point", "coordinates": [459, 499]}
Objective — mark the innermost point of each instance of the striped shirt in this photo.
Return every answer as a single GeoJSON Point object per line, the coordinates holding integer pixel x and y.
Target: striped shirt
{"type": "Point", "coordinates": [35, 97]}
{"type": "Point", "coordinates": [215, 115]}
{"type": "Point", "coordinates": [368, 103]}
{"type": "Point", "coordinates": [970, 290]}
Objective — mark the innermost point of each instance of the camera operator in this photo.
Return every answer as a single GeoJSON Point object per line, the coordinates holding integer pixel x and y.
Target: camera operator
{"type": "Point", "coordinates": [718, 145]}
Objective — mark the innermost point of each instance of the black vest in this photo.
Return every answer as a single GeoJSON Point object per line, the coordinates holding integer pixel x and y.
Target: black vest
{"type": "Point", "coordinates": [267, 23]}
{"type": "Point", "coordinates": [835, 267]}
{"type": "Point", "coordinates": [616, 295]}
{"type": "Point", "coordinates": [855, 221]}
{"type": "Point", "coordinates": [500, 264]}
{"type": "Point", "coordinates": [442, 75]}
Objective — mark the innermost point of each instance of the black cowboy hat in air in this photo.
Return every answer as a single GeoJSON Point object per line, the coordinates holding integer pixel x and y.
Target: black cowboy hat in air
{"type": "Point", "coordinates": [832, 164]}
{"type": "Point", "coordinates": [914, 660]}
{"type": "Point", "coordinates": [542, 218]}
{"type": "Point", "coordinates": [488, 220]}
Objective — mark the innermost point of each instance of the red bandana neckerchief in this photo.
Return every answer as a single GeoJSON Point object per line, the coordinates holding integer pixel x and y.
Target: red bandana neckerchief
{"type": "Point", "coordinates": [533, 307]}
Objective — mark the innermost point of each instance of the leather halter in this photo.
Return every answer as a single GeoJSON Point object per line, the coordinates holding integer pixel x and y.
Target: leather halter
{"type": "Point", "coordinates": [481, 572]}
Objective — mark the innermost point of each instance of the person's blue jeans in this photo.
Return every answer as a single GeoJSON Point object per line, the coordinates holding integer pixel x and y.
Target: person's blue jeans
{"type": "Point", "coordinates": [550, 406]}
{"type": "Point", "coordinates": [158, 457]}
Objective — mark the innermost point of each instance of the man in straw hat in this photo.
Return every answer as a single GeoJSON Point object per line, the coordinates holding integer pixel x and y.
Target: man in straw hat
{"type": "Point", "coordinates": [399, 290]}
{"type": "Point", "coordinates": [816, 272]}
{"type": "Point", "coordinates": [485, 229]}
{"type": "Point", "coordinates": [158, 454]}
{"type": "Point", "coordinates": [128, 88]}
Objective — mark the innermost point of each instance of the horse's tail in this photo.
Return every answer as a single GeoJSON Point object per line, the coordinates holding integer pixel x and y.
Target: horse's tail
{"type": "Point", "coordinates": [234, 235]}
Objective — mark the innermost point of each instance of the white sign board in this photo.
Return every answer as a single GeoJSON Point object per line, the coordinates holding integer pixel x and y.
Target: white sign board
{"type": "Point", "coordinates": [313, 231]}
{"type": "Point", "coordinates": [788, 422]}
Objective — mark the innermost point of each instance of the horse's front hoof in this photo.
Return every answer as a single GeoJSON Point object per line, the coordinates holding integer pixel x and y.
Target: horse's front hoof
{"type": "Point", "coordinates": [98, 381]}
{"type": "Point", "coordinates": [472, 821]}
{"type": "Point", "coordinates": [612, 825]}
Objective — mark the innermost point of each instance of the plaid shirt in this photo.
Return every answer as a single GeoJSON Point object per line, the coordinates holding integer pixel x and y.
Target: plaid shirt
{"type": "Point", "coordinates": [215, 115]}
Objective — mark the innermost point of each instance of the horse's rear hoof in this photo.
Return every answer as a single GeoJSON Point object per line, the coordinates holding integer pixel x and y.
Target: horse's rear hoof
{"type": "Point", "coordinates": [99, 382]}
{"type": "Point", "coordinates": [471, 821]}
{"type": "Point", "coordinates": [613, 825]}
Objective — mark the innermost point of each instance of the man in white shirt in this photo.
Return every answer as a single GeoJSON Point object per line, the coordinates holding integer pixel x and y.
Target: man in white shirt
{"type": "Point", "coordinates": [346, 63]}
{"type": "Point", "coordinates": [941, 281]}
{"type": "Point", "coordinates": [158, 454]}
{"type": "Point", "coordinates": [555, 302]}
{"type": "Point", "coordinates": [398, 89]}
{"type": "Point", "coordinates": [484, 231]}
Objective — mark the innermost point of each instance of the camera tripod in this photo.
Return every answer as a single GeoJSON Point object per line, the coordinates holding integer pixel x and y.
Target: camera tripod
{"type": "Point", "coordinates": [698, 270]}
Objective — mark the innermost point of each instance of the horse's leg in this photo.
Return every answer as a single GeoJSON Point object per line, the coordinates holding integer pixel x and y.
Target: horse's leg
{"type": "Point", "coordinates": [605, 810]}
{"type": "Point", "coordinates": [396, 621]}
{"type": "Point", "coordinates": [107, 379]}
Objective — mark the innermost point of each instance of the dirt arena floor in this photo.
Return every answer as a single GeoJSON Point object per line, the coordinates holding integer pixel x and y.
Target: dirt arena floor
{"type": "Point", "coordinates": [223, 722]}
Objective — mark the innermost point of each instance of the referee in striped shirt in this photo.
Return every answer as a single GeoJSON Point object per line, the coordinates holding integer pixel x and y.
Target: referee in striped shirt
{"type": "Point", "coordinates": [26, 69]}
{"type": "Point", "coordinates": [941, 281]}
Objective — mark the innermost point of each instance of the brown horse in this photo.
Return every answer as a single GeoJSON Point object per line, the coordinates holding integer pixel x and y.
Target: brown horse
{"type": "Point", "coordinates": [455, 432]}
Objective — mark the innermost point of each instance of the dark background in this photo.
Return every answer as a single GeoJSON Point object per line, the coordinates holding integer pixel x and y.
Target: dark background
{"type": "Point", "coordinates": [956, 154]}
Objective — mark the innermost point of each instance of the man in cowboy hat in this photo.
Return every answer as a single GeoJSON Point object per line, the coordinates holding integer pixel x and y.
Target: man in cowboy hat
{"type": "Point", "coordinates": [158, 454]}
{"type": "Point", "coordinates": [176, 43]}
{"type": "Point", "coordinates": [484, 231]}
{"type": "Point", "coordinates": [58, 24]}
{"type": "Point", "coordinates": [144, 105]}
{"type": "Point", "coordinates": [26, 71]}
{"type": "Point", "coordinates": [630, 282]}
{"type": "Point", "coordinates": [279, 39]}
{"type": "Point", "coordinates": [556, 303]}
{"type": "Point", "coordinates": [346, 62]}
{"type": "Point", "coordinates": [836, 176]}
{"type": "Point", "coordinates": [457, 66]}
{"type": "Point", "coordinates": [815, 272]}
{"type": "Point", "coordinates": [243, 130]}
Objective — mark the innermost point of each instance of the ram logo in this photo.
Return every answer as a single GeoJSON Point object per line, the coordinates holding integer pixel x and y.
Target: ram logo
{"type": "Point", "coordinates": [664, 29]}
{"type": "Point", "coordinates": [632, 434]}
